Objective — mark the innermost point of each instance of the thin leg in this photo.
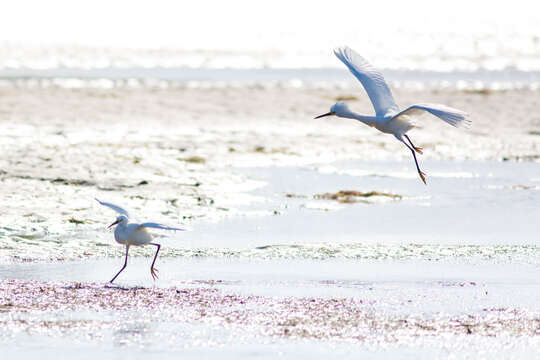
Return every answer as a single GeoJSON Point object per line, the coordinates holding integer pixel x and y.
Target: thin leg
{"type": "Point", "coordinates": [152, 269]}
{"type": "Point", "coordinates": [422, 175]}
{"type": "Point", "coordinates": [123, 267]}
{"type": "Point", "coordinates": [416, 148]}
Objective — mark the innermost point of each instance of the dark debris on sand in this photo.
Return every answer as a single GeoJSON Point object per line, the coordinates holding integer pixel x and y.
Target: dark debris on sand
{"type": "Point", "coordinates": [293, 317]}
{"type": "Point", "coordinates": [351, 196]}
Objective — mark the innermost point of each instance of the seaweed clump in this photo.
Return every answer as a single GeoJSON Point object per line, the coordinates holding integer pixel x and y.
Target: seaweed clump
{"type": "Point", "coordinates": [352, 196]}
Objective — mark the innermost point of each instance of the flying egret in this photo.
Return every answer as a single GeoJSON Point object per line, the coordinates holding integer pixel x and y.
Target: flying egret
{"type": "Point", "coordinates": [134, 234]}
{"type": "Point", "coordinates": [388, 118]}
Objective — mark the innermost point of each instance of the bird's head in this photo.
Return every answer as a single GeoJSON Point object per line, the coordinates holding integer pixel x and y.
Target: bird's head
{"type": "Point", "coordinates": [119, 220]}
{"type": "Point", "coordinates": [339, 109]}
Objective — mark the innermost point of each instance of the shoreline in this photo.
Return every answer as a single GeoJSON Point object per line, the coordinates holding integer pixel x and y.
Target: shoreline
{"type": "Point", "coordinates": [480, 81]}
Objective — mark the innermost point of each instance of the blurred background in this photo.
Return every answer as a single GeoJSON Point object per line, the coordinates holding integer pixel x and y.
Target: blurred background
{"type": "Point", "coordinates": [463, 37]}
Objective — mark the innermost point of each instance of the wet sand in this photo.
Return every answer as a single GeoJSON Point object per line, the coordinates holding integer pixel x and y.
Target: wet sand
{"type": "Point", "coordinates": [277, 307]}
{"type": "Point", "coordinates": [274, 264]}
{"type": "Point", "coordinates": [30, 302]}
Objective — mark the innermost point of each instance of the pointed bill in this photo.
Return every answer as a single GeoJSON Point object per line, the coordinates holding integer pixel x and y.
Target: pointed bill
{"type": "Point", "coordinates": [114, 223]}
{"type": "Point", "coordinates": [323, 115]}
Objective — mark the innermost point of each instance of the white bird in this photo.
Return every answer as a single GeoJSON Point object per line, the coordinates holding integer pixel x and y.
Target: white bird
{"type": "Point", "coordinates": [134, 234]}
{"type": "Point", "coordinates": [388, 118]}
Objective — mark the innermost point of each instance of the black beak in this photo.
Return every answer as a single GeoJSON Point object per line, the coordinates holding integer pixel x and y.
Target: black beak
{"type": "Point", "coordinates": [323, 115]}
{"type": "Point", "coordinates": [114, 223]}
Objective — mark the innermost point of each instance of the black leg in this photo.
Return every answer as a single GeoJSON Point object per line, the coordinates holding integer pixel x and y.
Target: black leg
{"type": "Point", "coordinates": [152, 270]}
{"type": "Point", "coordinates": [123, 267]}
{"type": "Point", "coordinates": [416, 148]}
{"type": "Point", "coordinates": [422, 175]}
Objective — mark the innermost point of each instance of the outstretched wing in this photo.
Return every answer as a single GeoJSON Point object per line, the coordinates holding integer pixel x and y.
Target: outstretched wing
{"type": "Point", "coordinates": [452, 116]}
{"type": "Point", "coordinates": [116, 208]}
{"type": "Point", "coordinates": [372, 80]}
{"type": "Point", "coordinates": [158, 226]}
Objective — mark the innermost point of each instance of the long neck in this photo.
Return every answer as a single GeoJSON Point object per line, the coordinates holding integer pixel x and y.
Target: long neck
{"type": "Point", "coordinates": [121, 226]}
{"type": "Point", "coordinates": [119, 230]}
{"type": "Point", "coordinates": [368, 120]}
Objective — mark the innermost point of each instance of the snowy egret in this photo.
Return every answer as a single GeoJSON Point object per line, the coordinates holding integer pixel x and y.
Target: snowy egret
{"type": "Point", "coordinates": [134, 234]}
{"type": "Point", "coordinates": [388, 118]}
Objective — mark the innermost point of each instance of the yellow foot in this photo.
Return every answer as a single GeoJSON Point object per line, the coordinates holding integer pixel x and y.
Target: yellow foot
{"type": "Point", "coordinates": [422, 176]}
{"type": "Point", "coordinates": [418, 150]}
{"type": "Point", "coordinates": [154, 272]}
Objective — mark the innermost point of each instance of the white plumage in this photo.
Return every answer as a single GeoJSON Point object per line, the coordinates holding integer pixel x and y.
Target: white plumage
{"type": "Point", "coordinates": [388, 119]}
{"type": "Point", "coordinates": [134, 234]}
{"type": "Point", "coordinates": [378, 91]}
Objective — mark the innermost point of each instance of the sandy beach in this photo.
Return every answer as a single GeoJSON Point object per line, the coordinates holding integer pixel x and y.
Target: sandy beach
{"type": "Point", "coordinates": [277, 261]}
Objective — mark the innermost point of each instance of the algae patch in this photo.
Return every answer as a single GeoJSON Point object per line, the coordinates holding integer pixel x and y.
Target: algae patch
{"type": "Point", "coordinates": [194, 159]}
{"type": "Point", "coordinates": [353, 196]}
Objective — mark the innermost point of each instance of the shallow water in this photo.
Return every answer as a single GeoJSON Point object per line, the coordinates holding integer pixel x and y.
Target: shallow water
{"type": "Point", "coordinates": [384, 277]}
{"type": "Point", "coordinates": [274, 307]}
{"type": "Point", "coordinates": [271, 266]}
{"type": "Point", "coordinates": [419, 286]}
{"type": "Point", "coordinates": [469, 208]}
{"type": "Point", "coordinates": [465, 203]}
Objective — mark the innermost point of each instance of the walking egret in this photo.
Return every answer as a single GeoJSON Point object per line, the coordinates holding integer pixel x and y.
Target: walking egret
{"type": "Point", "coordinates": [134, 234]}
{"type": "Point", "coordinates": [388, 118]}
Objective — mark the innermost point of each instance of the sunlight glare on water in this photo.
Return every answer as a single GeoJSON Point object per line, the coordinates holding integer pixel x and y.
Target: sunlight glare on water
{"type": "Point", "coordinates": [469, 36]}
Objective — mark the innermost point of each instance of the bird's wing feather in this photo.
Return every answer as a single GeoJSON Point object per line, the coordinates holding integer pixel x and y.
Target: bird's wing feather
{"type": "Point", "coordinates": [116, 208]}
{"type": "Point", "coordinates": [452, 116]}
{"type": "Point", "coordinates": [378, 91]}
{"type": "Point", "coordinates": [158, 226]}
